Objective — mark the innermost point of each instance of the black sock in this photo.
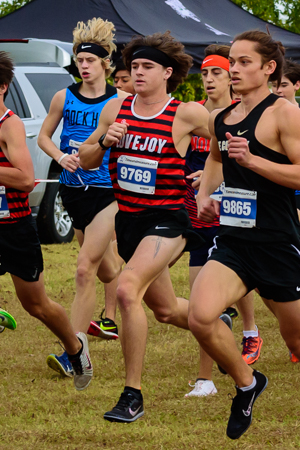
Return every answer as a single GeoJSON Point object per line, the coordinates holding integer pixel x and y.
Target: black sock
{"type": "Point", "coordinates": [78, 353]}
{"type": "Point", "coordinates": [136, 392]}
{"type": "Point", "coordinates": [202, 379]}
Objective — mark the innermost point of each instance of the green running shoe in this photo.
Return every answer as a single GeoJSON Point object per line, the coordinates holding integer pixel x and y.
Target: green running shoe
{"type": "Point", "coordinates": [7, 320]}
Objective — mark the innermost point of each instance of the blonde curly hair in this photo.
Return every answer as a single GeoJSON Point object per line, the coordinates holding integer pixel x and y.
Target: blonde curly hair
{"type": "Point", "coordinates": [97, 31]}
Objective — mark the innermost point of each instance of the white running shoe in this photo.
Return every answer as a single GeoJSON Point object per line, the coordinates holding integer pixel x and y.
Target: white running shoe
{"type": "Point", "coordinates": [82, 366]}
{"type": "Point", "coordinates": [202, 388]}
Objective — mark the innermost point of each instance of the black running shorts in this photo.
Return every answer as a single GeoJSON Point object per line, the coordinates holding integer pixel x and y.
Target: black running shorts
{"type": "Point", "coordinates": [199, 256]}
{"type": "Point", "coordinates": [132, 228]}
{"type": "Point", "coordinates": [84, 203]}
{"type": "Point", "coordinates": [273, 268]}
{"type": "Point", "coordinates": [20, 249]}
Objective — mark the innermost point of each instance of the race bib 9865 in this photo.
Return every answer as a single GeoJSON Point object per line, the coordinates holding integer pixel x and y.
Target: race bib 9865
{"type": "Point", "coordinates": [238, 208]}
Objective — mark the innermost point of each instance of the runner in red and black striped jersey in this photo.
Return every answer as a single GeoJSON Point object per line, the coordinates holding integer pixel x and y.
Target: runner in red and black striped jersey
{"type": "Point", "coordinates": [20, 250]}
{"type": "Point", "coordinates": [17, 201]}
{"type": "Point", "coordinates": [150, 138]}
{"type": "Point", "coordinates": [149, 135]}
{"type": "Point", "coordinates": [196, 156]}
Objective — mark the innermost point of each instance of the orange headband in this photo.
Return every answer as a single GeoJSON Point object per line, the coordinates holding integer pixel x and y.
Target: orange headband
{"type": "Point", "coordinates": [216, 60]}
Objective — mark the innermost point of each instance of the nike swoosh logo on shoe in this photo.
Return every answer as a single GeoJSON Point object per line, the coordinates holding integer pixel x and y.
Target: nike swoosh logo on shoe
{"type": "Point", "coordinates": [89, 367]}
{"type": "Point", "coordinates": [248, 411]}
{"type": "Point", "coordinates": [134, 413]}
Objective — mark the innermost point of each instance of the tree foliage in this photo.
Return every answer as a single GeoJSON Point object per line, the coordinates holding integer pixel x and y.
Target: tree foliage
{"type": "Point", "coordinates": [282, 13]}
{"type": "Point", "coordinates": [7, 7]}
{"type": "Point", "coordinates": [191, 90]}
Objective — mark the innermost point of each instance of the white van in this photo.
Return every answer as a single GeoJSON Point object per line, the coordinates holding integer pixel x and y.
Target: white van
{"type": "Point", "coordinates": [39, 73]}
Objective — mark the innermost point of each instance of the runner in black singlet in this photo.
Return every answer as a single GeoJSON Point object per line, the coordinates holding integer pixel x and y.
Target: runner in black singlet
{"type": "Point", "coordinates": [216, 80]}
{"type": "Point", "coordinates": [256, 143]}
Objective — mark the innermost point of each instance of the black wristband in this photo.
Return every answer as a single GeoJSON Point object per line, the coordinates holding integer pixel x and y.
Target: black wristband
{"type": "Point", "coordinates": [100, 142]}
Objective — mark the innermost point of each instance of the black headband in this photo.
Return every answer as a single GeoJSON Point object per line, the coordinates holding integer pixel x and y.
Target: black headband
{"type": "Point", "coordinates": [153, 54]}
{"type": "Point", "coordinates": [90, 47]}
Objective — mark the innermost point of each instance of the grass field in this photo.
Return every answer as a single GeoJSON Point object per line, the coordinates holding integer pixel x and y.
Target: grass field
{"type": "Point", "coordinates": [40, 410]}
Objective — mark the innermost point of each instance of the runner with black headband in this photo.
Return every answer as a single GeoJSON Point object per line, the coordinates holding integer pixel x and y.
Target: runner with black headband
{"type": "Point", "coordinates": [216, 81]}
{"type": "Point", "coordinates": [87, 195]}
{"type": "Point", "coordinates": [149, 134]}
{"type": "Point", "coordinates": [255, 143]}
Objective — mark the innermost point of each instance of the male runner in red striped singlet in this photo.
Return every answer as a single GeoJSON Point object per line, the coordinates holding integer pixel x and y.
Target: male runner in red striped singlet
{"type": "Point", "coordinates": [149, 134]}
{"type": "Point", "coordinates": [20, 250]}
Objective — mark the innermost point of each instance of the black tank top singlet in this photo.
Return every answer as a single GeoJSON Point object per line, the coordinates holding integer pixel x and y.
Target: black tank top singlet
{"type": "Point", "coordinates": [276, 215]}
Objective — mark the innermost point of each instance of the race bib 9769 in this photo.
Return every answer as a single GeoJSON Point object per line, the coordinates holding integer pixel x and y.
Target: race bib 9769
{"type": "Point", "coordinates": [137, 174]}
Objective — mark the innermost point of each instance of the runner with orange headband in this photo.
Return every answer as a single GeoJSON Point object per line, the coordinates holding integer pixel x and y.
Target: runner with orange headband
{"type": "Point", "coordinates": [215, 60]}
{"type": "Point", "coordinates": [215, 75]}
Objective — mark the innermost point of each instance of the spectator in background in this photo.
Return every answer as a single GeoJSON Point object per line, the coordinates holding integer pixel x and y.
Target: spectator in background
{"type": "Point", "coordinates": [122, 78]}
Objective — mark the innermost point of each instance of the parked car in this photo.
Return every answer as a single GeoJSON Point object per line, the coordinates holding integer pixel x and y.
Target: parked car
{"type": "Point", "coordinates": [39, 73]}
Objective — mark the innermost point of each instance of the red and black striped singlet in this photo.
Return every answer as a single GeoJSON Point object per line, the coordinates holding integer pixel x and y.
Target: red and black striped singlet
{"type": "Point", "coordinates": [195, 160]}
{"type": "Point", "coordinates": [148, 142]}
{"type": "Point", "coordinates": [17, 201]}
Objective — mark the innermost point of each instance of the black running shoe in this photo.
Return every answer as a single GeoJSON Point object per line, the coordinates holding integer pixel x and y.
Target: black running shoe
{"type": "Point", "coordinates": [232, 312]}
{"type": "Point", "coordinates": [226, 319]}
{"type": "Point", "coordinates": [242, 405]}
{"type": "Point", "coordinates": [128, 409]}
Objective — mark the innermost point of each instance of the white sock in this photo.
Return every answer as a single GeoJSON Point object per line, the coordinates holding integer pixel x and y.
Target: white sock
{"type": "Point", "coordinates": [251, 386]}
{"type": "Point", "coordinates": [251, 333]}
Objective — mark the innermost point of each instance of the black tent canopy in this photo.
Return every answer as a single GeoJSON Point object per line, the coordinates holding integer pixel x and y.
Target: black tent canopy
{"type": "Point", "coordinates": [196, 23]}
